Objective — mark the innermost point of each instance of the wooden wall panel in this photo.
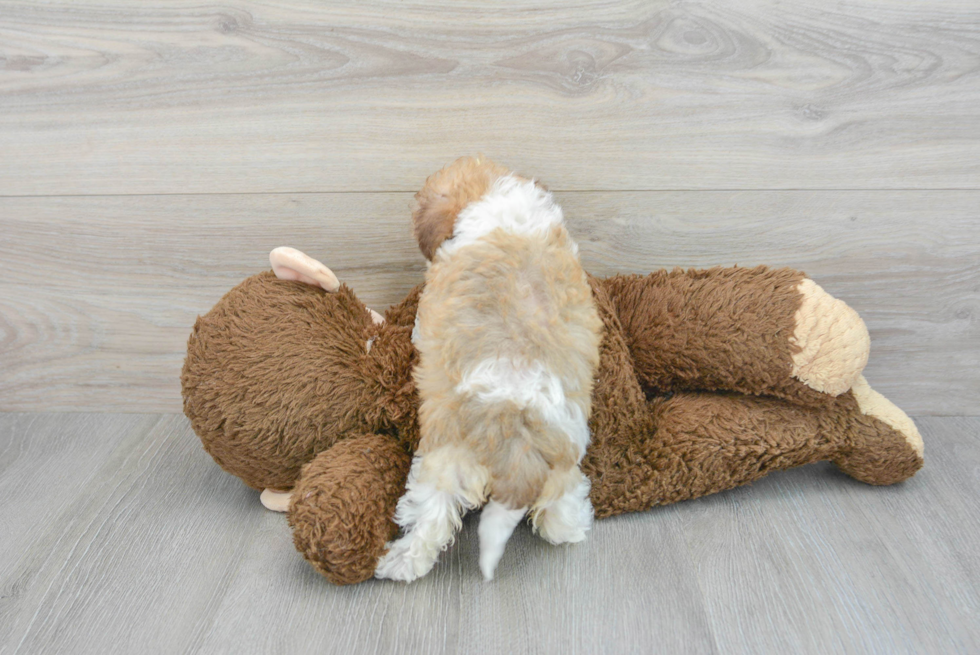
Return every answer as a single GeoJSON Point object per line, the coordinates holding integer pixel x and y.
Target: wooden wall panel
{"type": "Point", "coordinates": [98, 294]}
{"type": "Point", "coordinates": [110, 96]}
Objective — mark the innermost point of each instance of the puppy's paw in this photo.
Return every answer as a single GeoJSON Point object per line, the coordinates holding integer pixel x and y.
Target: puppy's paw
{"type": "Point", "coordinates": [557, 534]}
{"type": "Point", "coordinates": [565, 523]}
{"type": "Point", "coordinates": [566, 520]}
{"type": "Point", "coordinates": [400, 564]}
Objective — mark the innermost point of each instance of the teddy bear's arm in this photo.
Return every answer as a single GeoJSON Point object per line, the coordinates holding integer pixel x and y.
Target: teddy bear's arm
{"type": "Point", "coordinates": [757, 331]}
{"type": "Point", "coordinates": [343, 505]}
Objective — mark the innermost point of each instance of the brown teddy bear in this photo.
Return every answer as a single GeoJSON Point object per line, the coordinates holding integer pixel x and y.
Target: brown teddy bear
{"type": "Point", "coordinates": [708, 379]}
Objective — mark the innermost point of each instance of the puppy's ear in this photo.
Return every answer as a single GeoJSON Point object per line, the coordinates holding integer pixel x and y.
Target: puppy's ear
{"type": "Point", "coordinates": [434, 219]}
{"type": "Point", "coordinates": [445, 194]}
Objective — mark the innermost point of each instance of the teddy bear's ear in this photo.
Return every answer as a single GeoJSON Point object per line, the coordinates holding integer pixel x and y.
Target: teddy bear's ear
{"type": "Point", "coordinates": [433, 219]}
{"type": "Point", "coordinates": [291, 264]}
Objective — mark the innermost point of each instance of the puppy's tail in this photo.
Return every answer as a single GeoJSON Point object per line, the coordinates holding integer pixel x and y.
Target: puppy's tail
{"type": "Point", "coordinates": [496, 526]}
{"type": "Point", "coordinates": [527, 452]}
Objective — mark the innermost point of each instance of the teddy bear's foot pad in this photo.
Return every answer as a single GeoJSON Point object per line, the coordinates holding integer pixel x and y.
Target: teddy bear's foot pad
{"type": "Point", "coordinates": [277, 501]}
{"type": "Point", "coordinates": [832, 339]}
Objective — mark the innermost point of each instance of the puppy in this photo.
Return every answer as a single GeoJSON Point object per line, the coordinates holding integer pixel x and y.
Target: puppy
{"type": "Point", "coordinates": [508, 341]}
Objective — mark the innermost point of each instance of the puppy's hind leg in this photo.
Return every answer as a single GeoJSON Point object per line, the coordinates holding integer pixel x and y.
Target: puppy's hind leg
{"type": "Point", "coordinates": [563, 514]}
{"type": "Point", "coordinates": [497, 524]}
{"type": "Point", "coordinates": [441, 486]}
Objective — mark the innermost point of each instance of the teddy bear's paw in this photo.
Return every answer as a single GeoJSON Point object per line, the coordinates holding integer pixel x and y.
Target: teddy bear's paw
{"type": "Point", "coordinates": [400, 563]}
{"type": "Point", "coordinates": [832, 339]}
{"type": "Point", "coordinates": [566, 520]}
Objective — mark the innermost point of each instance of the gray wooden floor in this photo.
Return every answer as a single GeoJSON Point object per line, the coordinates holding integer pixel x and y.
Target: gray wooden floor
{"type": "Point", "coordinates": [120, 535]}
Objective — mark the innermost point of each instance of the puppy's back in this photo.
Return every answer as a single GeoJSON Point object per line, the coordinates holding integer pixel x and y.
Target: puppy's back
{"type": "Point", "coordinates": [511, 296]}
{"type": "Point", "coordinates": [509, 343]}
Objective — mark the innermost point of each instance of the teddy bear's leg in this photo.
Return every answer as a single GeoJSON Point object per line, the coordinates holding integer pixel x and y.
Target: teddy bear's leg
{"type": "Point", "coordinates": [343, 505]}
{"type": "Point", "coordinates": [755, 331]}
{"type": "Point", "coordinates": [882, 444]}
{"type": "Point", "coordinates": [702, 443]}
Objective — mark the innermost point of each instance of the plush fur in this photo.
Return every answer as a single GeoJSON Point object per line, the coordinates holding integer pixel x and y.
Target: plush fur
{"type": "Point", "coordinates": [508, 339]}
{"type": "Point", "coordinates": [280, 388]}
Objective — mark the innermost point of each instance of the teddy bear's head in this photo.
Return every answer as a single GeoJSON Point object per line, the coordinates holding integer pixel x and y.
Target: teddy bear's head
{"type": "Point", "coordinates": [279, 362]}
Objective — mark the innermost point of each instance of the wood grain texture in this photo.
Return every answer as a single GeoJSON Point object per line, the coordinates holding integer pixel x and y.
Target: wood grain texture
{"type": "Point", "coordinates": [839, 138]}
{"type": "Point", "coordinates": [110, 96]}
{"type": "Point", "coordinates": [123, 536]}
{"type": "Point", "coordinates": [98, 294]}
{"type": "Point", "coordinates": [840, 562]}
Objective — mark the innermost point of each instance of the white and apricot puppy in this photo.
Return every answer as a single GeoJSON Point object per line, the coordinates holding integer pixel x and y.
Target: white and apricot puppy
{"type": "Point", "coordinates": [508, 340]}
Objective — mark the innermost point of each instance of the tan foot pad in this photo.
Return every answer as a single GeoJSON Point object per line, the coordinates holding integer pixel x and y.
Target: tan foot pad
{"type": "Point", "coordinates": [833, 342]}
{"type": "Point", "coordinates": [872, 403]}
{"type": "Point", "coordinates": [277, 501]}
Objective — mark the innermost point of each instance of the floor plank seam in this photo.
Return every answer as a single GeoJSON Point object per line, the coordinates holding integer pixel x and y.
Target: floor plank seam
{"type": "Point", "coordinates": [555, 190]}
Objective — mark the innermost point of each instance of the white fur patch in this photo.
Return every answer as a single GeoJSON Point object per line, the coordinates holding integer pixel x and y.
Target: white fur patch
{"type": "Point", "coordinates": [497, 524]}
{"type": "Point", "coordinates": [500, 379]}
{"type": "Point", "coordinates": [566, 520]}
{"type": "Point", "coordinates": [430, 514]}
{"type": "Point", "coordinates": [511, 204]}
{"type": "Point", "coordinates": [415, 331]}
